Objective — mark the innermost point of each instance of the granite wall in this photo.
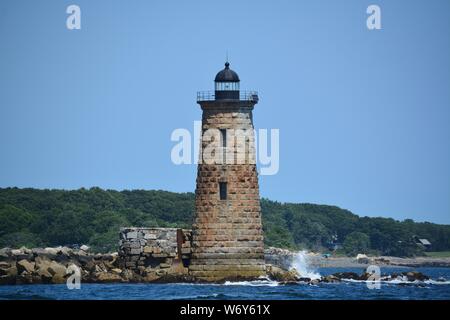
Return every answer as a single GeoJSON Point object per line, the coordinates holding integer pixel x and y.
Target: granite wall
{"type": "Point", "coordinates": [157, 248]}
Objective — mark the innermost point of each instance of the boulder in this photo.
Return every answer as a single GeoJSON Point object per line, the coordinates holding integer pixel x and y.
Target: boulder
{"type": "Point", "coordinates": [110, 261]}
{"type": "Point", "coordinates": [25, 250]}
{"type": "Point", "coordinates": [281, 275]}
{"type": "Point", "coordinates": [25, 266]}
{"type": "Point", "coordinates": [304, 279]}
{"type": "Point", "coordinates": [65, 251]}
{"type": "Point", "coordinates": [331, 279]}
{"type": "Point", "coordinates": [43, 253]}
{"type": "Point", "coordinates": [116, 270]}
{"type": "Point", "coordinates": [38, 251]}
{"type": "Point", "coordinates": [83, 259]}
{"type": "Point", "coordinates": [16, 252]}
{"type": "Point", "coordinates": [84, 248]}
{"type": "Point", "coordinates": [108, 277]}
{"type": "Point", "coordinates": [347, 275]}
{"type": "Point", "coordinates": [46, 276]}
{"type": "Point", "coordinates": [7, 269]}
{"type": "Point", "coordinates": [151, 276]}
{"type": "Point", "coordinates": [107, 257]}
{"type": "Point", "coordinates": [51, 251]}
{"type": "Point", "coordinates": [58, 272]}
{"type": "Point", "coordinates": [50, 271]}
{"type": "Point", "coordinates": [20, 254]}
{"type": "Point", "coordinates": [5, 254]}
{"type": "Point", "coordinates": [415, 276]}
{"type": "Point", "coordinates": [89, 266]}
{"type": "Point", "coordinates": [365, 276]}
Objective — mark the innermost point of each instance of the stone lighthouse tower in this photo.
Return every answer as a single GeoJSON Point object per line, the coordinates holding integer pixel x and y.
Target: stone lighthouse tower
{"type": "Point", "coordinates": [227, 232]}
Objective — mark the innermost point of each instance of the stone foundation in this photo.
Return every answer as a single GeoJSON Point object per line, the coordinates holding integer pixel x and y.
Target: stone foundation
{"type": "Point", "coordinates": [155, 250]}
{"type": "Point", "coordinates": [141, 249]}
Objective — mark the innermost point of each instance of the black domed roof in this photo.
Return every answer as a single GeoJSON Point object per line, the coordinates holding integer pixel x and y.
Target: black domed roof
{"type": "Point", "coordinates": [227, 75]}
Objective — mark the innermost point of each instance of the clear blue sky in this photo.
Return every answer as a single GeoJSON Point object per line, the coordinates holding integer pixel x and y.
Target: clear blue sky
{"type": "Point", "coordinates": [363, 115]}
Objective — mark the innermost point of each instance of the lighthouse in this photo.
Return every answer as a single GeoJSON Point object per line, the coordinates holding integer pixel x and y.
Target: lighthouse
{"type": "Point", "coordinates": [227, 239]}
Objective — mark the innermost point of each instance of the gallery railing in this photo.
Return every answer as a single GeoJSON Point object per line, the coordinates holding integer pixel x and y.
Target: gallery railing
{"type": "Point", "coordinates": [243, 96]}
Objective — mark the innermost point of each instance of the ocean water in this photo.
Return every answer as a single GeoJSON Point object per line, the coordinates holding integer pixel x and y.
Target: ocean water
{"type": "Point", "coordinates": [262, 289]}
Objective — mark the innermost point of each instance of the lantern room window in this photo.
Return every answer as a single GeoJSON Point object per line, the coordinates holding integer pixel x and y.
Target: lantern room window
{"type": "Point", "coordinates": [227, 86]}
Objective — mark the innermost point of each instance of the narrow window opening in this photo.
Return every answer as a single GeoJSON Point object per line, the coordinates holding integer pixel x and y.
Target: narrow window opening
{"type": "Point", "coordinates": [223, 134]}
{"type": "Point", "coordinates": [223, 190]}
{"type": "Point", "coordinates": [223, 138]}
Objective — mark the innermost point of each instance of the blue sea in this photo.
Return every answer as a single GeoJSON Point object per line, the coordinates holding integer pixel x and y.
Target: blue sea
{"type": "Point", "coordinates": [263, 289]}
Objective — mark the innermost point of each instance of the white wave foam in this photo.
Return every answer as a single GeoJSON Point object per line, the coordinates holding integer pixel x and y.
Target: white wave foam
{"type": "Point", "coordinates": [437, 282]}
{"type": "Point", "coordinates": [301, 263]}
{"type": "Point", "coordinates": [400, 281]}
{"type": "Point", "coordinates": [263, 281]}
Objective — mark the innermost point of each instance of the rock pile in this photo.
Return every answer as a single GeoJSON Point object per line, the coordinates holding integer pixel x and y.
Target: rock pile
{"type": "Point", "coordinates": [55, 266]}
{"type": "Point", "coordinates": [50, 265]}
{"type": "Point", "coordinates": [155, 260]}
{"type": "Point", "coordinates": [407, 276]}
{"type": "Point", "coordinates": [291, 277]}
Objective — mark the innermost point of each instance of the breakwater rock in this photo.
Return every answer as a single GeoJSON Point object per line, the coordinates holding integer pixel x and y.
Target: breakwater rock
{"type": "Point", "coordinates": [292, 277]}
{"type": "Point", "coordinates": [56, 265]}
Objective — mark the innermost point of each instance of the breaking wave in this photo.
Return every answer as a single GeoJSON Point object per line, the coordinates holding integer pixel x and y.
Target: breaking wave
{"type": "Point", "coordinates": [301, 263]}
{"type": "Point", "coordinates": [263, 281]}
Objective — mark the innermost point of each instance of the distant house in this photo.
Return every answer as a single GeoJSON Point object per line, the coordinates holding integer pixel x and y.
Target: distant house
{"type": "Point", "coordinates": [423, 242]}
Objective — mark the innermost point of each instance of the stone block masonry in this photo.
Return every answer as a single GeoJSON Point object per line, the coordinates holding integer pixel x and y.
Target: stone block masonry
{"type": "Point", "coordinates": [141, 249]}
{"type": "Point", "coordinates": [227, 238]}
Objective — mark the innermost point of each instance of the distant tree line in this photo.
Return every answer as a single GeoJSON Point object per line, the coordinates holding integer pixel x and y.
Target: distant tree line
{"type": "Point", "coordinates": [39, 218]}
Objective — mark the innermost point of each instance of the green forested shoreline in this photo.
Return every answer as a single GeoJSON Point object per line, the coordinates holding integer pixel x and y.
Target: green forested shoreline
{"type": "Point", "coordinates": [38, 218]}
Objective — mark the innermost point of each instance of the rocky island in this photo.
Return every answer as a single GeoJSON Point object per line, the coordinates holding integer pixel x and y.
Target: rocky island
{"type": "Point", "coordinates": [159, 264]}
